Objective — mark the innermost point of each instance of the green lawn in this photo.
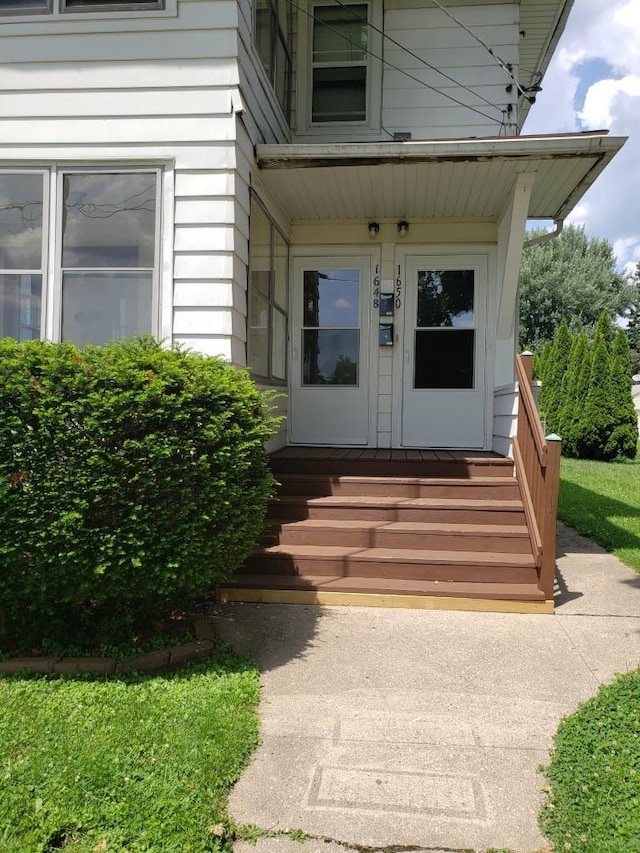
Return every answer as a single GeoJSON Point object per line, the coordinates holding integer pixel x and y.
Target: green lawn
{"type": "Point", "coordinates": [141, 764]}
{"type": "Point", "coordinates": [602, 501]}
{"type": "Point", "coordinates": [593, 804]}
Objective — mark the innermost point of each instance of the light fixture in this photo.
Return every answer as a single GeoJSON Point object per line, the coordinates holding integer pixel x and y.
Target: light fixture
{"type": "Point", "coordinates": [374, 230]}
{"type": "Point", "coordinates": [403, 228]}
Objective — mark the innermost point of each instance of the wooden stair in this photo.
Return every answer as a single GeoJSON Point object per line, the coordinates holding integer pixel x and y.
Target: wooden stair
{"type": "Point", "coordinates": [417, 532]}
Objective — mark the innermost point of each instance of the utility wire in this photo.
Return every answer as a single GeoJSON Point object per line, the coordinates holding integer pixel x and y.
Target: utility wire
{"type": "Point", "coordinates": [418, 58]}
{"type": "Point", "coordinates": [504, 65]}
{"type": "Point", "coordinates": [395, 67]}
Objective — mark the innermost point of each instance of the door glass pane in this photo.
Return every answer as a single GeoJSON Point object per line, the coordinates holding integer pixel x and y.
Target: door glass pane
{"type": "Point", "coordinates": [259, 335]}
{"type": "Point", "coordinates": [20, 305]}
{"type": "Point", "coordinates": [330, 356]}
{"type": "Point", "coordinates": [99, 307]}
{"type": "Point", "coordinates": [340, 33]}
{"type": "Point", "coordinates": [339, 94]}
{"type": "Point", "coordinates": [109, 220]}
{"type": "Point", "coordinates": [331, 298]}
{"type": "Point", "coordinates": [445, 298]}
{"type": "Point", "coordinates": [444, 358]}
{"type": "Point", "coordinates": [21, 197]}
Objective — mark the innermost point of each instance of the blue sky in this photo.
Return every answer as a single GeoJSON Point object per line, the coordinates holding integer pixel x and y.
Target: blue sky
{"type": "Point", "coordinates": [593, 83]}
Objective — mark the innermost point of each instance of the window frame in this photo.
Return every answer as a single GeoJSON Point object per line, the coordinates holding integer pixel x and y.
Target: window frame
{"type": "Point", "coordinates": [277, 37]}
{"type": "Point", "coordinates": [52, 232]}
{"type": "Point", "coordinates": [44, 261]}
{"type": "Point", "coordinates": [304, 92]}
{"type": "Point", "coordinates": [273, 306]}
{"type": "Point", "coordinates": [104, 10]}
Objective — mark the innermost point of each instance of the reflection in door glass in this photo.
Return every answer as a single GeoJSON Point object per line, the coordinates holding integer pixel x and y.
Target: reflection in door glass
{"type": "Point", "coordinates": [330, 356]}
{"type": "Point", "coordinates": [331, 298]}
{"type": "Point", "coordinates": [445, 298]}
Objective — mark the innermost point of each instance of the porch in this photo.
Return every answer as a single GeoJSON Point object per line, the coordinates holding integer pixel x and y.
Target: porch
{"type": "Point", "coordinates": [417, 528]}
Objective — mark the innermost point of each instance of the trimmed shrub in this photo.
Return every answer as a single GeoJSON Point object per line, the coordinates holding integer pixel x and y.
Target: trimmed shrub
{"type": "Point", "coordinates": [131, 477]}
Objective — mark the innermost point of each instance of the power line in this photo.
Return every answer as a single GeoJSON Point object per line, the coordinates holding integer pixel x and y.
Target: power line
{"type": "Point", "coordinates": [417, 57]}
{"type": "Point", "coordinates": [395, 67]}
{"type": "Point", "coordinates": [504, 65]}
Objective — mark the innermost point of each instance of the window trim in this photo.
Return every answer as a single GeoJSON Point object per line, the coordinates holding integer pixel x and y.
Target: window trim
{"type": "Point", "coordinates": [44, 259]}
{"type": "Point", "coordinates": [283, 310]}
{"type": "Point", "coordinates": [304, 92]}
{"type": "Point", "coordinates": [105, 11]}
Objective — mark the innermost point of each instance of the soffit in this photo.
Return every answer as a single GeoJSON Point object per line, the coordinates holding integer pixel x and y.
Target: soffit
{"type": "Point", "coordinates": [448, 179]}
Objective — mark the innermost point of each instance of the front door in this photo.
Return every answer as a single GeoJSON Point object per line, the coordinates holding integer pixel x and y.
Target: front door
{"type": "Point", "coordinates": [441, 378]}
{"type": "Point", "coordinates": [330, 364]}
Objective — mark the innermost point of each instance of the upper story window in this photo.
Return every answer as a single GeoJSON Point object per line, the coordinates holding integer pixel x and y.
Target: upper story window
{"type": "Point", "coordinates": [43, 7]}
{"type": "Point", "coordinates": [339, 63]}
{"type": "Point", "coordinates": [339, 69]}
{"type": "Point", "coordinates": [272, 40]}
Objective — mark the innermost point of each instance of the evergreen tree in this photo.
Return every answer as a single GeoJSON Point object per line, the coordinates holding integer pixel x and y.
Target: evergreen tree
{"type": "Point", "coordinates": [541, 362]}
{"type": "Point", "coordinates": [597, 421]}
{"type": "Point", "coordinates": [573, 383]}
{"type": "Point", "coordinates": [623, 441]}
{"type": "Point", "coordinates": [554, 370]}
{"type": "Point", "coordinates": [605, 328]}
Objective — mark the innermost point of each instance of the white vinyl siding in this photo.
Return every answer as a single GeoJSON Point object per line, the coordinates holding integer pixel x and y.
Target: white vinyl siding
{"type": "Point", "coordinates": [142, 90]}
{"type": "Point", "coordinates": [407, 92]}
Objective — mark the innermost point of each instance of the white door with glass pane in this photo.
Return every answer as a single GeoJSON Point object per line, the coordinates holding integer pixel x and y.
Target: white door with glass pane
{"type": "Point", "coordinates": [441, 367]}
{"type": "Point", "coordinates": [329, 401]}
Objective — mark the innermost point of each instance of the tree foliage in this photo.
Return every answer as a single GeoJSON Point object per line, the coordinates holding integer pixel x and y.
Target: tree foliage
{"type": "Point", "coordinates": [574, 277]}
{"type": "Point", "coordinates": [586, 393]}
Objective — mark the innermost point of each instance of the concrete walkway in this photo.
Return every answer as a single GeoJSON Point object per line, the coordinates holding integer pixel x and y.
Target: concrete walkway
{"type": "Point", "coordinates": [397, 730]}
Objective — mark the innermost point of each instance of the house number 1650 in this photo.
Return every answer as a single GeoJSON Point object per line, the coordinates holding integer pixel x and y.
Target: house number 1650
{"type": "Point", "coordinates": [397, 291]}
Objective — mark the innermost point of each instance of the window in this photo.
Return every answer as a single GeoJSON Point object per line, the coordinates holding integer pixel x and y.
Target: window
{"type": "Point", "coordinates": [272, 41]}
{"type": "Point", "coordinates": [268, 297]}
{"type": "Point", "coordinates": [21, 254]}
{"type": "Point", "coordinates": [40, 7]}
{"type": "Point", "coordinates": [105, 283]}
{"type": "Point", "coordinates": [339, 63]}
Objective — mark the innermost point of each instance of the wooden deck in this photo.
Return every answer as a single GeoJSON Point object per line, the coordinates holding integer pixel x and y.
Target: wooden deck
{"type": "Point", "coordinates": [430, 529]}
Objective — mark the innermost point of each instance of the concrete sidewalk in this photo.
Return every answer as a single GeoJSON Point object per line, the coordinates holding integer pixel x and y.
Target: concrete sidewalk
{"type": "Point", "coordinates": [392, 730]}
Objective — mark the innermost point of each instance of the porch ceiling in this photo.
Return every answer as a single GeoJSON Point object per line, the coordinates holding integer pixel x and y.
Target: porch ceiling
{"type": "Point", "coordinates": [445, 179]}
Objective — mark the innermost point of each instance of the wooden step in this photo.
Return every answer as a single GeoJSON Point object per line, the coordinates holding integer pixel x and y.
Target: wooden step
{"type": "Point", "coordinates": [490, 467]}
{"type": "Point", "coordinates": [377, 508]}
{"type": "Point", "coordinates": [378, 586]}
{"type": "Point", "coordinates": [477, 488]}
{"type": "Point", "coordinates": [505, 538]}
{"type": "Point", "coordinates": [398, 563]}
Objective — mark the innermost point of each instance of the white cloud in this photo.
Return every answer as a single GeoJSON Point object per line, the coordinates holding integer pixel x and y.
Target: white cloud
{"type": "Point", "coordinates": [609, 32]}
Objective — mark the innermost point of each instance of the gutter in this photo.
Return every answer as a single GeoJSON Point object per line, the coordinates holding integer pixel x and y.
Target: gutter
{"type": "Point", "coordinates": [544, 238]}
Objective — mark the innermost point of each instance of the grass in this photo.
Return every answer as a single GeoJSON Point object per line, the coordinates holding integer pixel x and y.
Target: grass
{"type": "Point", "coordinates": [593, 804]}
{"type": "Point", "coordinates": [141, 764]}
{"type": "Point", "coordinates": [601, 500]}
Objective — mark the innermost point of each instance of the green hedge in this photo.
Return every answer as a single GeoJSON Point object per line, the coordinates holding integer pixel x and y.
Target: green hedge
{"type": "Point", "coordinates": [131, 476]}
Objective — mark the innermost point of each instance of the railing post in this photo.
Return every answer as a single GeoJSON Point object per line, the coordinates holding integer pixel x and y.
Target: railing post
{"type": "Point", "coordinates": [549, 525]}
{"type": "Point", "coordinates": [527, 363]}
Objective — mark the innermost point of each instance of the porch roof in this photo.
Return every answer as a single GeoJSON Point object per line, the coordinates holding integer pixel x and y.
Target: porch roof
{"type": "Point", "coordinates": [446, 179]}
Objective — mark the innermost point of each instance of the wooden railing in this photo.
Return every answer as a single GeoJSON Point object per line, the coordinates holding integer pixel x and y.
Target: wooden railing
{"type": "Point", "coordinates": [537, 462]}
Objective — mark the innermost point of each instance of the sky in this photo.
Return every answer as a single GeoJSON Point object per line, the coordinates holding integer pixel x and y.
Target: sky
{"type": "Point", "coordinates": [592, 83]}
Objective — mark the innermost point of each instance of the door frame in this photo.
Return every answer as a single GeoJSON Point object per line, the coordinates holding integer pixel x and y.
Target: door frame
{"type": "Point", "coordinates": [371, 251]}
{"type": "Point", "coordinates": [456, 253]}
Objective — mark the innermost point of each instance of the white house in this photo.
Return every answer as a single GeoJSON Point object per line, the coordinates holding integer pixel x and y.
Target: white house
{"type": "Point", "coordinates": [334, 194]}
